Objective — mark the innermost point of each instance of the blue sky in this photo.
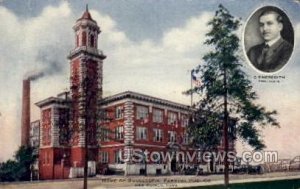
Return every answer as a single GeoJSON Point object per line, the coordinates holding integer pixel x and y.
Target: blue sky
{"type": "Point", "coordinates": [152, 16]}
{"type": "Point", "coordinates": [150, 45]}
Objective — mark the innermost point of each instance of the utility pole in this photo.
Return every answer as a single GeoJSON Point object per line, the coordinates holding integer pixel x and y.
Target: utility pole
{"type": "Point", "coordinates": [88, 96]}
{"type": "Point", "coordinates": [225, 131]}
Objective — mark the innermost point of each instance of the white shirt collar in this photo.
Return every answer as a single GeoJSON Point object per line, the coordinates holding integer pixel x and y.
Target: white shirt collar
{"type": "Point", "coordinates": [272, 42]}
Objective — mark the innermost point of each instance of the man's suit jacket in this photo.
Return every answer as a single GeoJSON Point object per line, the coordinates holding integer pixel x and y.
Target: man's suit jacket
{"type": "Point", "coordinates": [275, 57]}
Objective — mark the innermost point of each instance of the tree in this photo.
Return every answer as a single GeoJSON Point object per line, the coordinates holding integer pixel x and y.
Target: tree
{"type": "Point", "coordinates": [227, 98]}
{"type": "Point", "coordinates": [18, 169]}
{"type": "Point", "coordinates": [91, 118]}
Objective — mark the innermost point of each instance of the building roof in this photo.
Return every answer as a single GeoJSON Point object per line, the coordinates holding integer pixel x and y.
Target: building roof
{"type": "Point", "coordinates": [86, 15]}
{"type": "Point", "coordinates": [143, 97]}
{"type": "Point", "coordinates": [64, 98]}
{"type": "Point", "coordinates": [52, 100]}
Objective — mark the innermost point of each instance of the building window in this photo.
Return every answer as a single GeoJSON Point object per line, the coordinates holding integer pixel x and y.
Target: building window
{"type": "Point", "coordinates": [46, 127]}
{"type": "Point", "coordinates": [92, 40]}
{"type": "Point", "coordinates": [104, 157]}
{"type": "Point", "coordinates": [105, 115]}
{"type": "Point", "coordinates": [35, 134]}
{"type": "Point", "coordinates": [99, 134]}
{"type": "Point", "coordinates": [119, 112]}
{"type": "Point", "coordinates": [103, 133]}
{"type": "Point", "coordinates": [157, 116]}
{"type": "Point", "coordinates": [83, 38]}
{"type": "Point", "coordinates": [158, 133]}
{"type": "Point", "coordinates": [118, 156]}
{"type": "Point", "coordinates": [63, 124]}
{"type": "Point", "coordinates": [184, 121]}
{"type": "Point", "coordinates": [171, 136]}
{"type": "Point", "coordinates": [77, 40]}
{"type": "Point", "coordinates": [36, 131]}
{"type": "Point", "coordinates": [186, 139]}
{"type": "Point", "coordinates": [172, 118]}
{"type": "Point", "coordinates": [119, 132]}
{"type": "Point", "coordinates": [142, 112]}
{"type": "Point", "coordinates": [141, 133]}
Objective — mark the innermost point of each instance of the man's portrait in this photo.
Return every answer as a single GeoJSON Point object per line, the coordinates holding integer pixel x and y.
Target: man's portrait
{"type": "Point", "coordinates": [269, 39]}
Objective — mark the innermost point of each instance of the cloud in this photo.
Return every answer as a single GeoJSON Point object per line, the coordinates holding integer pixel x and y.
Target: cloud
{"type": "Point", "coordinates": [153, 67]}
{"type": "Point", "coordinates": [33, 44]}
{"type": "Point", "coordinates": [190, 37]}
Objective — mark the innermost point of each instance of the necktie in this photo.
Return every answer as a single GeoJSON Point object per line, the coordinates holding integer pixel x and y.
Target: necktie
{"type": "Point", "coordinates": [265, 50]}
{"type": "Point", "coordinates": [262, 59]}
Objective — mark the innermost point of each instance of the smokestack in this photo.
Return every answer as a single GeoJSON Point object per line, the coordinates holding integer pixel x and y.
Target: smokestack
{"type": "Point", "coordinates": [25, 124]}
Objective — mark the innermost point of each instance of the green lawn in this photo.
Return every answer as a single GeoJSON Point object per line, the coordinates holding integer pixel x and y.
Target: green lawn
{"type": "Point", "coordinates": [282, 184]}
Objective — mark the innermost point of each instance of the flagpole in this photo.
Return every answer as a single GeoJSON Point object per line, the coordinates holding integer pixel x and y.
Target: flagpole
{"type": "Point", "coordinates": [191, 88]}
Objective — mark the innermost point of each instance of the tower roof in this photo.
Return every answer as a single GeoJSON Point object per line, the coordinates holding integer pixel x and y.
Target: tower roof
{"type": "Point", "coordinates": [86, 14]}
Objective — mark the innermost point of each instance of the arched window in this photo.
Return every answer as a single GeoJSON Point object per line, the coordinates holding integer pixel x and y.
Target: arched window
{"type": "Point", "coordinates": [77, 40]}
{"type": "Point", "coordinates": [92, 40]}
{"type": "Point", "coordinates": [84, 38]}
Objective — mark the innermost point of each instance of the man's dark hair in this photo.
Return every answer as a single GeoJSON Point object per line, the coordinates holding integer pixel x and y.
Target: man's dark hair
{"type": "Point", "coordinates": [272, 11]}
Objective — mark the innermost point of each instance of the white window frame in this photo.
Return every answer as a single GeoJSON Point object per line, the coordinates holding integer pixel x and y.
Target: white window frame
{"type": "Point", "coordinates": [104, 157]}
{"type": "Point", "coordinates": [142, 112]}
{"type": "Point", "coordinates": [119, 112]}
{"type": "Point", "coordinates": [186, 138]}
{"type": "Point", "coordinates": [118, 154]}
{"type": "Point", "coordinates": [141, 133]}
{"type": "Point", "coordinates": [172, 136]}
{"type": "Point", "coordinates": [103, 133]}
{"type": "Point", "coordinates": [119, 132]}
{"type": "Point", "coordinates": [157, 116]}
{"type": "Point", "coordinates": [158, 135]}
{"type": "Point", "coordinates": [184, 121]}
{"type": "Point", "coordinates": [172, 118]}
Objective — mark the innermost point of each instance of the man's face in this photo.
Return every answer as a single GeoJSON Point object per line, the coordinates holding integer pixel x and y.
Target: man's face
{"type": "Point", "coordinates": [269, 26]}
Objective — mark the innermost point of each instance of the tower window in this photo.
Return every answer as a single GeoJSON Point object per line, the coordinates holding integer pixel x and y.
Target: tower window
{"type": "Point", "coordinates": [92, 40]}
{"type": "Point", "coordinates": [84, 38]}
{"type": "Point", "coordinates": [77, 40]}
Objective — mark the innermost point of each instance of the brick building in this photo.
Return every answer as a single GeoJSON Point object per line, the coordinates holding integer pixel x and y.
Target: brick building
{"type": "Point", "coordinates": [138, 125]}
{"type": "Point", "coordinates": [123, 130]}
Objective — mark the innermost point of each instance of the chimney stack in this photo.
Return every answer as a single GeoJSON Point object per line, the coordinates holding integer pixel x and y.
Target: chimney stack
{"type": "Point", "coordinates": [25, 124]}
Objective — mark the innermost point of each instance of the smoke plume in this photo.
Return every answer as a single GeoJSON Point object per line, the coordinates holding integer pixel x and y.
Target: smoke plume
{"type": "Point", "coordinates": [33, 75]}
{"type": "Point", "coordinates": [50, 59]}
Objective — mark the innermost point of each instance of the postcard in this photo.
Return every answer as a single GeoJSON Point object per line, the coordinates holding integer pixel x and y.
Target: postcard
{"type": "Point", "coordinates": [149, 94]}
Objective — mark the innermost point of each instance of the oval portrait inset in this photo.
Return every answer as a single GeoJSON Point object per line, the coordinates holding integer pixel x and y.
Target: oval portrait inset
{"type": "Point", "coordinates": [268, 39]}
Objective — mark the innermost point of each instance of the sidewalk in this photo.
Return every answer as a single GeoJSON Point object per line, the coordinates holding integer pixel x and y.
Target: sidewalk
{"type": "Point", "coordinates": [176, 181]}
